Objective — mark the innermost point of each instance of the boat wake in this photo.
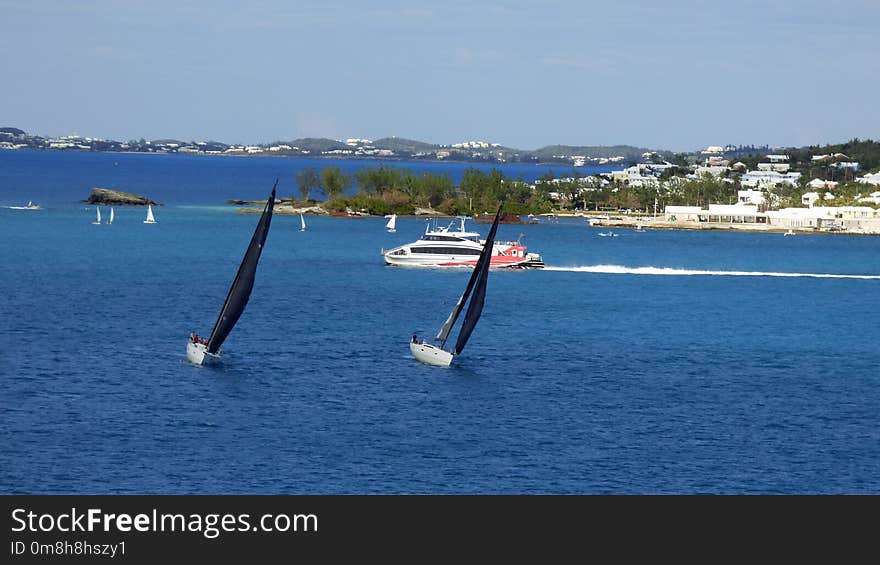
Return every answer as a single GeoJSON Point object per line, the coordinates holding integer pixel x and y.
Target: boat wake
{"type": "Point", "coordinates": [621, 270]}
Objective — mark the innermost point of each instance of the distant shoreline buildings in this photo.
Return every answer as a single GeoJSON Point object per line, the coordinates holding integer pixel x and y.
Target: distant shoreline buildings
{"type": "Point", "coordinates": [747, 186]}
{"type": "Point", "coordinates": [387, 148]}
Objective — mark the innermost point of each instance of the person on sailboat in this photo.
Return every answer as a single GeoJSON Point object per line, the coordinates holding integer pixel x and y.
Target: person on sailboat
{"type": "Point", "coordinates": [415, 338]}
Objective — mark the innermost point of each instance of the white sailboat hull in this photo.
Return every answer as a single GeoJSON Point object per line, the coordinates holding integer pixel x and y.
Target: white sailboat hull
{"type": "Point", "coordinates": [430, 354]}
{"type": "Point", "coordinates": [197, 353]}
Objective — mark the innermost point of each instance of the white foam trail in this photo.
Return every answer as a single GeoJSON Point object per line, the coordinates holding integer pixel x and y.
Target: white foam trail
{"type": "Point", "coordinates": [621, 270]}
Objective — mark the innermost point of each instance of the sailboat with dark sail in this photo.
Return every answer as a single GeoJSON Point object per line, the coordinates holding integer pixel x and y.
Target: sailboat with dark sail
{"type": "Point", "coordinates": [207, 351]}
{"type": "Point", "coordinates": [476, 290]}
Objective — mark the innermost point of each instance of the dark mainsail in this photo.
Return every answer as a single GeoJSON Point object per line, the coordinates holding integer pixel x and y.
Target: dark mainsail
{"type": "Point", "coordinates": [475, 308]}
{"type": "Point", "coordinates": [453, 316]}
{"type": "Point", "coordinates": [240, 291]}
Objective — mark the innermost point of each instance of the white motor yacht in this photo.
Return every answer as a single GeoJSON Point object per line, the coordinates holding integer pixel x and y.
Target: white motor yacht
{"type": "Point", "coordinates": [450, 247]}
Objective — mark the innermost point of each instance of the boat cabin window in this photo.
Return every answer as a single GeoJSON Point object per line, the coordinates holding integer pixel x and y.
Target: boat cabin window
{"type": "Point", "coordinates": [443, 238]}
{"type": "Point", "coordinates": [445, 250]}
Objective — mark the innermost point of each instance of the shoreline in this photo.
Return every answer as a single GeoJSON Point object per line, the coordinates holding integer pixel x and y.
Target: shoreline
{"type": "Point", "coordinates": [721, 226]}
{"type": "Point", "coordinates": [644, 222]}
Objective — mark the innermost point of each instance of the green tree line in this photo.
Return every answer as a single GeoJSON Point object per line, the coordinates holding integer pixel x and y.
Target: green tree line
{"type": "Point", "coordinates": [384, 190]}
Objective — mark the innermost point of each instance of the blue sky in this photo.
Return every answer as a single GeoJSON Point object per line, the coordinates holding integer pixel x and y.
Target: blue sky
{"type": "Point", "coordinates": [670, 75]}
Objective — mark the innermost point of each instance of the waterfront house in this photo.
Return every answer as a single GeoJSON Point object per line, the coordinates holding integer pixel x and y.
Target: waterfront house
{"type": "Point", "coordinates": [789, 218]}
{"type": "Point", "coordinates": [852, 219]}
{"type": "Point", "coordinates": [682, 213]}
{"type": "Point", "coordinates": [716, 213]}
{"type": "Point", "coordinates": [732, 213]}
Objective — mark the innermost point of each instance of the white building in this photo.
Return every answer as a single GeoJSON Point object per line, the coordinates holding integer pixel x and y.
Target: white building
{"type": "Point", "coordinates": [733, 213]}
{"type": "Point", "coordinates": [713, 170]}
{"type": "Point", "coordinates": [474, 145]}
{"type": "Point", "coordinates": [820, 184]}
{"type": "Point", "coordinates": [795, 217]}
{"type": "Point", "coordinates": [809, 198]}
{"type": "Point", "coordinates": [728, 213]}
{"type": "Point", "coordinates": [829, 157]}
{"type": "Point", "coordinates": [682, 213]}
{"type": "Point", "coordinates": [870, 178]}
{"type": "Point", "coordinates": [851, 165]}
{"type": "Point", "coordinates": [856, 219]}
{"type": "Point", "coordinates": [781, 167]}
{"type": "Point", "coordinates": [874, 198]}
{"type": "Point", "coordinates": [754, 197]}
{"type": "Point", "coordinates": [761, 179]}
{"type": "Point", "coordinates": [640, 175]}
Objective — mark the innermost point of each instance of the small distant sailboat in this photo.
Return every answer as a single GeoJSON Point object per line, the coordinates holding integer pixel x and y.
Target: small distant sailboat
{"type": "Point", "coordinates": [433, 355]}
{"type": "Point", "coordinates": [392, 223]}
{"type": "Point", "coordinates": [150, 218]}
{"type": "Point", "coordinates": [110, 221]}
{"type": "Point", "coordinates": [97, 221]}
{"type": "Point", "coordinates": [30, 206]}
{"type": "Point", "coordinates": [302, 223]}
{"type": "Point", "coordinates": [207, 351]}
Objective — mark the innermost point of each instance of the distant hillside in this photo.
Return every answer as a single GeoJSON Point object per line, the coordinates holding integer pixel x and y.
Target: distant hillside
{"type": "Point", "coordinates": [866, 152]}
{"type": "Point", "coordinates": [400, 144]}
{"type": "Point", "coordinates": [627, 151]}
{"type": "Point", "coordinates": [12, 131]}
{"type": "Point", "coordinates": [318, 144]}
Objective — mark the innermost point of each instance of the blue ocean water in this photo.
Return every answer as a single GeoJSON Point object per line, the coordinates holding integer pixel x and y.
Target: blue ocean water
{"type": "Point", "coordinates": [62, 178]}
{"type": "Point", "coordinates": [603, 373]}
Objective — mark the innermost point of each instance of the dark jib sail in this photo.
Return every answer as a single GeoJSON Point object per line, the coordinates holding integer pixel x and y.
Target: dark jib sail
{"type": "Point", "coordinates": [240, 291]}
{"type": "Point", "coordinates": [475, 308]}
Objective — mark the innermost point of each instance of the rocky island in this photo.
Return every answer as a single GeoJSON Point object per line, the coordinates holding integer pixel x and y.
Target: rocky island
{"type": "Point", "coordinates": [110, 197]}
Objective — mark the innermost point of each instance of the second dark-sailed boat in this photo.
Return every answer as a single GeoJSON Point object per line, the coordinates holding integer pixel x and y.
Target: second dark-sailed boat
{"type": "Point", "coordinates": [476, 289]}
{"type": "Point", "coordinates": [207, 351]}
